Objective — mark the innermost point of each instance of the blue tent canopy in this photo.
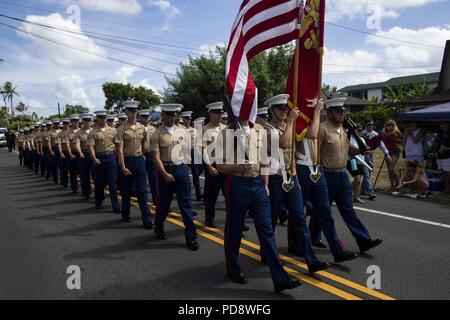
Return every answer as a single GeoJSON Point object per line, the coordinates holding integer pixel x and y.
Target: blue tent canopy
{"type": "Point", "coordinates": [437, 113]}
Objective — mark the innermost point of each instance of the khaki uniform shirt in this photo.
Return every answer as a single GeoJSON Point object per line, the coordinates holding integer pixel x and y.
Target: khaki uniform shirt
{"type": "Point", "coordinates": [44, 139]}
{"type": "Point", "coordinates": [103, 140]}
{"type": "Point", "coordinates": [131, 139]}
{"type": "Point", "coordinates": [81, 137]}
{"type": "Point", "coordinates": [30, 141]}
{"type": "Point", "coordinates": [210, 134]}
{"type": "Point", "coordinates": [251, 144]}
{"type": "Point", "coordinates": [149, 131]}
{"type": "Point", "coordinates": [62, 139]}
{"type": "Point", "coordinates": [70, 138]}
{"type": "Point", "coordinates": [170, 146]}
{"type": "Point", "coordinates": [39, 138]}
{"type": "Point", "coordinates": [26, 141]}
{"type": "Point", "coordinates": [21, 141]}
{"type": "Point", "coordinates": [52, 137]}
{"type": "Point", "coordinates": [334, 146]}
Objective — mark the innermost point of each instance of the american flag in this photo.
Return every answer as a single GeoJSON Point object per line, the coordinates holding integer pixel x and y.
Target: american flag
{"type": "Point", "coordinates": [259, 25]}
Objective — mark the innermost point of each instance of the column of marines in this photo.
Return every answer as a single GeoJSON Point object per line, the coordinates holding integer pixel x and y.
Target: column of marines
{"type": "Point", "coordinates": [120, 156]}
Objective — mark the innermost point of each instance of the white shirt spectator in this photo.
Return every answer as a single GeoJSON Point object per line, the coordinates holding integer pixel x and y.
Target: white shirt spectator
{"type": "Point", "coordinates": [414, 151]}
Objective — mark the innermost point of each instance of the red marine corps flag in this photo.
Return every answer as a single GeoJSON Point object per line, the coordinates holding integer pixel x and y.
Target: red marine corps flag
{"type": "Point", "coordinates": [305, 79]}
{"type": "Point", "coordinates": [259, 25]}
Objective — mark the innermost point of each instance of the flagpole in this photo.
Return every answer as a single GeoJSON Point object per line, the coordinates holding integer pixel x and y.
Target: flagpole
{"type": "Point", "coordinates": [321, 51]}
{"type": "Point", "coordinates": [293, 169]}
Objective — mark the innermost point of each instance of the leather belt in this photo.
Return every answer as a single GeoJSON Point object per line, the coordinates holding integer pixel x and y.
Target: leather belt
{"type": "Point", "coordinates": [335, 170]}
{"type": "Point", "coordinates": [104, 154]}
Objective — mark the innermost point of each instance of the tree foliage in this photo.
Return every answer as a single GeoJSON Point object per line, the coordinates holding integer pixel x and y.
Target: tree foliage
{"type": "Point", "coordinates": [117, 93]}
{"type": "Point", "coordinates": [70, 110]}
{"type": "Point", "coordinates": [201, 80]}
{"type": "Point", "coordinates": [21, 107]}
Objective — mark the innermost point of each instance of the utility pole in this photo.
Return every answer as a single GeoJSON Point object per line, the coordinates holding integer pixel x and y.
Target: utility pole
{"type": "Point", "coordinates": [59, 111]}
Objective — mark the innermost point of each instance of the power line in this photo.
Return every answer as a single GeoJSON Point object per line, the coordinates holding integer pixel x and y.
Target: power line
{"type": "Point", "coordinates": [100, 34]}
{"type": "Point", "coordinates": [383, 67]}
{"type": "Point", "coordinates": [115, 41]}
{"type": "Point", "coordinates": [105, 37]}
{"type": "Point", "coordinates": [384, 37]}
{"type": "Point", "coordinates": [104, 21]}
{"type": "Point", "coordinates": [86, 51]}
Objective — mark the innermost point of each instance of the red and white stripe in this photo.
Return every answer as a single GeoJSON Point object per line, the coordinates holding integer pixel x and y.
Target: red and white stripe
{"type": "Point", "coordinates": [260, 25]}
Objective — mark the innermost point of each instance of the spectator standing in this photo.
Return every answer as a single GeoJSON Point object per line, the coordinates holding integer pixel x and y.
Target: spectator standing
{"type": "Point", "coordinates": [413, 143]}
{"type": "Point", "coordinates": [390, 136]}
{"type": "Point", "coordinates": [355, 167]}
{"type": "Point", "coordinates": [369, 134]}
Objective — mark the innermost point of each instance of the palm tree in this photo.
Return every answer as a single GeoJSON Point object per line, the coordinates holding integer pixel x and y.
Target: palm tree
{"type": "Point", "coordinates": [21, 108]}
{"type": "Point", "coordinates": [329, 90]}
{"type": "Point", "coordinates": [10, 91]}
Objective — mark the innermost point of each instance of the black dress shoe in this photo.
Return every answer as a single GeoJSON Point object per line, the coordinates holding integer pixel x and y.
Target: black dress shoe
{"type": "Point", "coordinates": [290, 284]}
{"type": "Point", "coordinates": [210, 225]}
{"type": "Point", "coordinates": [161, 235]}
{"type": "Point", "coordinates": [192, 244]}
{"type": "Point", "coordinates": [148, 225]}
{"type": "Point", "coordinates": [238, 278]}
{"type": "Point", "coordinates": [117, 211]}
{"type": "Point", "coordinates": [319, 244]}
{"type": "Point", "coordinates": [99, 207]}
{"type": "Point", "coordinates": [245, 228]}
{"type": "Point", "coordinates": [346, 257]}
{"type": "Point", "coordinates": [125, 219]}
{"type": "Point", "coordinates": [87, 197]}
{"type": "Point", "coordinates": [369, 245]}
{"type": "Point", "coordinates": [318, 266]}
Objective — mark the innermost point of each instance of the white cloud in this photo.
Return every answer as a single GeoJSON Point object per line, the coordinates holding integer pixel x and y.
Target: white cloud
{"type": "Point", "coordinates": [70, 90]}
{"type": "Point", "coordinates": [388, 58]}
{"type": "Point", "coordinates": [167, 7]}
{"type": "Point", "coordinates": [35, 106]}
{"type": "Point", "coordinates": [110, 6]}
{"type": "Point", "coordinates": [350, 9]}
{"type": "Point", "coordinates": [170, 10]}
{"type": "Point", "coordinates": [206, 48]}
{"type": "Point", "coordinates": [344, 68]}
{"type": "Point", "coordinates": [122, 75]}
{"type": "Point", "coordinates": [56, 52]}
{"type": "Point", "coordinates": [429, 51]}
{"type": "Point", "coordinates": [146, 84]}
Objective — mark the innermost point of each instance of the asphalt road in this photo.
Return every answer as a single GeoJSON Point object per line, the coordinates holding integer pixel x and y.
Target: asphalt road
{"type": "Point", "coordinates": [44, 229]}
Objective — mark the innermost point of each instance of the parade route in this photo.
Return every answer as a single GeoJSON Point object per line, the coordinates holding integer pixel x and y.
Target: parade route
{"type": "Point", "coordinates": [45, 229]}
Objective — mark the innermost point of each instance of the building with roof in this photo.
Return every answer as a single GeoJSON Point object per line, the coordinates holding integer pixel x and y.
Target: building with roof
{"type": "Point", "coordinates": [378, 90]}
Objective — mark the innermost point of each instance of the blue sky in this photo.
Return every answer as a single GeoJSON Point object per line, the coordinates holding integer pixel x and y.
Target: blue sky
{"type": "Point", "coordinates": [46, 73]}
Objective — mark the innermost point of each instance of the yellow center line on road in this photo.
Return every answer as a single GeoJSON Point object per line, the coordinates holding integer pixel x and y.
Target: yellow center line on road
{"type": "Point", "coordinates": [302, 265]}
{"type": "Point", "coordinates": [305, 278]}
